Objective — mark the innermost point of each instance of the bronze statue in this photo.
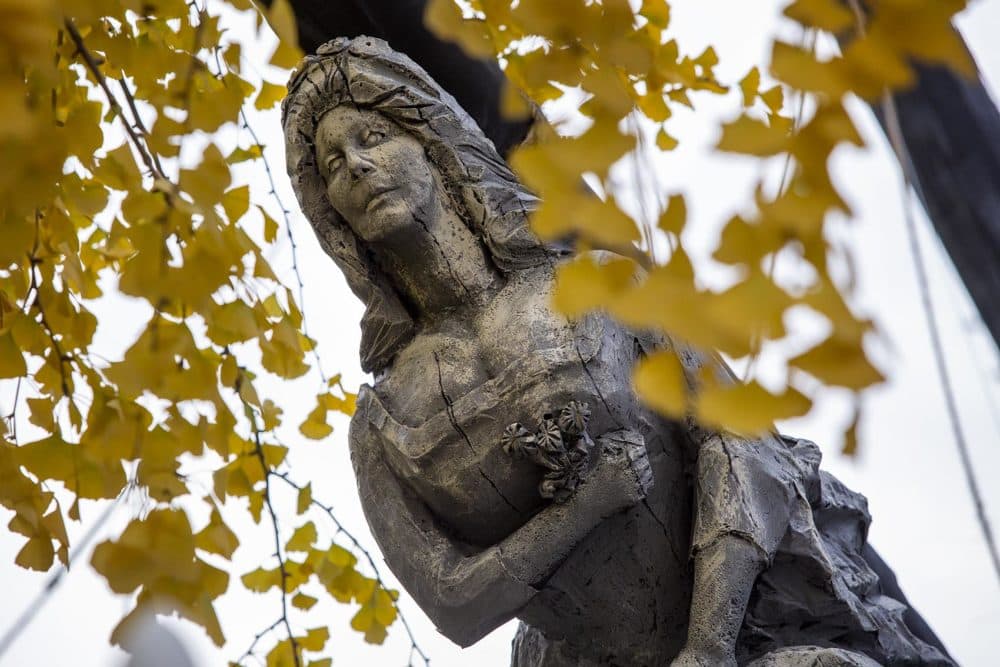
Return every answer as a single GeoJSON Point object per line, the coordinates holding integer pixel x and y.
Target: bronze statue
{"type": "Point", "coordinates": [505, 465]}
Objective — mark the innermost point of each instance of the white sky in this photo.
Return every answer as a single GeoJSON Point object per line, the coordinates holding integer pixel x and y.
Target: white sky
{"type": "Point", "coordinates": [923, 517]}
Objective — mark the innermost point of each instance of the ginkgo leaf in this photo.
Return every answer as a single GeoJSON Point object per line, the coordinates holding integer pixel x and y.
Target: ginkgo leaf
{"type": "Point", "coordinates": [830, 15]}
{"type": "Point", "coordinates": [315, 639]}
{"type": "Point", "coordinates": [839, 362]}
{"type": "Point", "coordinates": [673, 219]}
{"type": "Point", "coordinates": [664, 141]}
{"type": "Point", "coordinates": [217, 537]}
{"type": "Point", "coordinates": [303, 601]}
{"type": "Point", "coordinates": [208, 181]}
{"type": "Point", "coordinates": [303, 538]}
{"type": "Point", "coordinates": [270, 94]}
{"type": "Point", "coordinates": [253, 152]}
{"type": "Point", "coordinates": [747, 409]}
{"type": "Point", "coordinates": [752, 137]}
{"type": "Point", "coordinates": [11, 360]}
{"type": "Point", "coordinates": [657, 11]}
{"type": "Point", "coordinates": [749, 86]}
{"type": "Point", "coordinates": [660, 381]}
{"type": "Point", "coordinates": [261, 580]}
{"type": "Point", "coordinates": [36, 554]}
{"type": "Point", "coordinates": [303, 499]}
{"type": "Point", "coordinates": [584, 284]}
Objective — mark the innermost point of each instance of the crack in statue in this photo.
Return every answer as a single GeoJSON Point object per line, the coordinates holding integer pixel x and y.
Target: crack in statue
{"type": "Point", "coordinates": [578, 527]}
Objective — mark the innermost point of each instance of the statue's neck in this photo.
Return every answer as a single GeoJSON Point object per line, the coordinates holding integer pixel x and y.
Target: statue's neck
{"type": "Point", "coordinates": [438, 264]}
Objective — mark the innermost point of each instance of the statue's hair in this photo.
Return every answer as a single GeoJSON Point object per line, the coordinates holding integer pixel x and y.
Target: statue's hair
{"type": "Point", "coordinates": [367, 74]}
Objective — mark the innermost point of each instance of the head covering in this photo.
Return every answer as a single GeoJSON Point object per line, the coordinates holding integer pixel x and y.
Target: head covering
{"type": "Point", "coordinates": [365, 73]}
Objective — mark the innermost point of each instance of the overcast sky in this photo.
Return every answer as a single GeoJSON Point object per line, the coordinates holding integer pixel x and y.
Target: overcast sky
{"type": "Point", "coordinates": [923, 518]}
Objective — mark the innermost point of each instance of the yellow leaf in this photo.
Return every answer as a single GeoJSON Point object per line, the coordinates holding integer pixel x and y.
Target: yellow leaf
{"type": "Point", "coordinates": [801, 70]}
{"type": "Point", "coordinates": [830, 15]}
{"type": "Point", "coordinates": [444, 19]}
{"type": "Point", "coordinates": [36, 554]}
{"type": "Point", "coordinates": [513, 104]}
{"type": "Point", "coordinates": [238, 155]}
{"type": "Point", "coordinates": [324, 662]}
{"type": "Point", "coordinates": [657, 12]}
{"type": "Point", "coordinates": [208, 182]}
{"type": "Point", "coordinates": [236, 202]}
{"type": "Point", "coordinates": [303, 538]}
{"type": "Point", "coordinates": [274, 455]}
{"type": "Point", "coordinates": [315, 427]}
{"type": "Point", "coordinates": [303, 601]}
{"type": "Point", "coordinates": [11, 360]}
{"type": "Point", "coordinates": [261, 580]}
{"type": "Point", "coordinates": [270, 414]}
{"type": "Point", "coordinates": [673, 219]}
{"type": "Point", "coordinates": [850, 447]}
{"type": "Point", "coordinates": [774, 98]}
{"type": "Point", "coordinates": [269, 95]}
{"type": "Point", "coordinates": [752, 137]}
{"type": "Point", "coordinates": [583, 284]}
{"type": "Point", "coordinates": [664, 141]}
{"type": "Point", "coordinates": [660, 382]}
{"type": "Point", "coordinates": [42, 413]}
{"type": "Point", "coordinates": [839, 361]}
{"type": "Point", "coordinates": [270, 226]}
{"type": "Point", "coordinates": [749, 86]}
{"type": "Point", "coordinates": [230, 323]}
{"type": "Point", "coordinates": [747, 409]}
{"type": "Point", "coordinates": [281, 18]}
{"type": "Point", "coordinates": [315, 639]}
{"type": "Point", "coordinates": [216, 537]}
{"type": "Point", "coordinates": [282, 655]}
{"type": "Point", "coordinates": [304, 499]}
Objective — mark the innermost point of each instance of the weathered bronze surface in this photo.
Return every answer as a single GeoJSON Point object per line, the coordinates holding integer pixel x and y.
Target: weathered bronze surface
{"type": "Point", "coordinates": [505, 465]}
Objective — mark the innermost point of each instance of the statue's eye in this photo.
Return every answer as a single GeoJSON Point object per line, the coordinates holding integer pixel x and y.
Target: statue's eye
{"type": "Point", "coordinates": [373, 137]}
{"type": "Point", "coordinates": [333, 163]}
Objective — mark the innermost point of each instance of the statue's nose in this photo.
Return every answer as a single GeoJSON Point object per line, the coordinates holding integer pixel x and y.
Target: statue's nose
{"type": "Point", "coordinates": [358, 164]}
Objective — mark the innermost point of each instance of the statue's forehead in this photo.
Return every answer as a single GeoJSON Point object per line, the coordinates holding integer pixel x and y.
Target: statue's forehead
{"type": "Point", "coordinates": [346, 119]}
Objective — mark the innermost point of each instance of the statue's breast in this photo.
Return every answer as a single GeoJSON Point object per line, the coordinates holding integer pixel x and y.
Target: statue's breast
{"type": "Point", "coordinates": [453, 457]}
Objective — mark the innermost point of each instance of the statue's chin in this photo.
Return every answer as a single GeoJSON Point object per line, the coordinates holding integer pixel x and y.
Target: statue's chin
{"type": "Point", "coordinates": [387, 218]}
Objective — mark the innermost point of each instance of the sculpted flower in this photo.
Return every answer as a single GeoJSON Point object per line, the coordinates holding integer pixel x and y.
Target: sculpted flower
{"type": "Point", "coordinates": [574, 417]}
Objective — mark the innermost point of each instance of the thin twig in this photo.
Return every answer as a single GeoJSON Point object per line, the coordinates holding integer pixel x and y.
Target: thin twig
{"type": "Point", "coordinates": [137, 119]}
{"type": "Point", "coordinates": [94, 68]}
{"type": "Point", "coordinates": [260, 635]}
{"type": "Point", "coordinates": [786, 169]}
{"type": "Point", "coordinates": [328, 510]}
{"type": "Point", "coordinates": [259, 453]}
{"type": "Point", "coordinates": [286, 214]}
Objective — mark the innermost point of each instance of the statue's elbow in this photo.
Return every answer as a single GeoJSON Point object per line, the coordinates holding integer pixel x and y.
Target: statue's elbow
{"type": "Point", "coordinates": [462, 628]}
{"type": "Point", "coordinates": [466, 611]}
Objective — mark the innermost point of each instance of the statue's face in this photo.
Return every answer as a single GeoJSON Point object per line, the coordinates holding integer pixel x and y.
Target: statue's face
{"type": "Point", "coordinates": [377, 175]}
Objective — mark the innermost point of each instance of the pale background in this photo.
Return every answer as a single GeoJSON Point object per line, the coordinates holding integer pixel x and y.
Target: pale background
{"type": "Point", "coordinates": [924, 520]}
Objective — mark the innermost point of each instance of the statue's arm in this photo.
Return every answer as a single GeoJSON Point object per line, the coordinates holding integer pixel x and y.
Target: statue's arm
{"type": "Point", "coordinates": [468, 594]}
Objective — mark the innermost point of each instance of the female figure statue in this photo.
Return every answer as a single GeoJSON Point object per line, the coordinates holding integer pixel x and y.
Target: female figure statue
{"type": "Point", "coordinates": [505, 465]}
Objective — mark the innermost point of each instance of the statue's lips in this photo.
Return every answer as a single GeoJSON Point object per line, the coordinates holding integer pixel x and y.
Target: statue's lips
{"type": "Point", "coordinates": [378, 197]}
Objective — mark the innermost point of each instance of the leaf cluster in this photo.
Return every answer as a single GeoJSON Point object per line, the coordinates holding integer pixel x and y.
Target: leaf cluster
{"type": "Point", "coordinates": [626, 61]}
{"type": "Point", "coordinates": [118, 180]}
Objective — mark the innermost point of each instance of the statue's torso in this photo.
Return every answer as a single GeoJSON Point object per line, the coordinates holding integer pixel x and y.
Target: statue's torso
{"type": "Point", "coordinates": [441, 409]}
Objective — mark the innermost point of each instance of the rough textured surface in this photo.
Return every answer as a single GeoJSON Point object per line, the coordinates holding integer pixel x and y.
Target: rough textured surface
{"type": "Point", "coordinates": [813, 656]}
{"type": "Point", "coordinates": [653, 542]}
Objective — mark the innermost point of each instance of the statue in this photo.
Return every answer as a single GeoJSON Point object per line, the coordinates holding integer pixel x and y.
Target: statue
{"type": "Point", "coordinates": [504, 463]}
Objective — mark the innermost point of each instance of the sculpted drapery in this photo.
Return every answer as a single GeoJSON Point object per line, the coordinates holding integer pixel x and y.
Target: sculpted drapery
{"type": "Point", "coordinates": [505, 465]}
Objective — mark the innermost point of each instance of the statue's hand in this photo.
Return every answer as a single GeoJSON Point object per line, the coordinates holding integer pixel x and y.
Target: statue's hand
{"type": "Point", "coordinates": [690, 657]}
{"type": "Point", "coordinates": [622, 475]}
